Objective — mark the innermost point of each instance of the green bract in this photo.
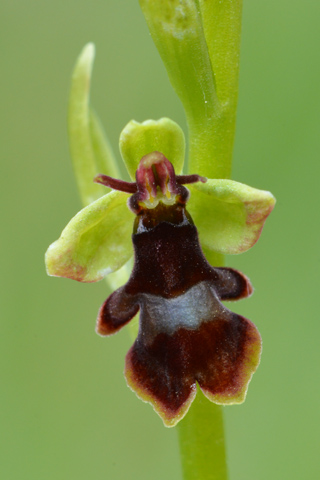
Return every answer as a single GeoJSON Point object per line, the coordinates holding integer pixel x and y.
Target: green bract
{"type": "Point", "coordinates": [91, 152]}
{"type": "Point", "coordinates": [229, 215]}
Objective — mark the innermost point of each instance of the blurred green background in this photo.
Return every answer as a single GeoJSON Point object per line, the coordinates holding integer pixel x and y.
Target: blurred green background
{"type": "Point", "coordinates": [65, 410]}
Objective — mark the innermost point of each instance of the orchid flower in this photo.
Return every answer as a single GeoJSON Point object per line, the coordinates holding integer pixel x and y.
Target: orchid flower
{"type": "Point", "coordinates": [186, 335]}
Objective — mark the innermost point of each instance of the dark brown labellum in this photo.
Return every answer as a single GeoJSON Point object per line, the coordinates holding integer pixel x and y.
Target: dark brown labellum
{"type": "Point", "coordinates": [186, 335]}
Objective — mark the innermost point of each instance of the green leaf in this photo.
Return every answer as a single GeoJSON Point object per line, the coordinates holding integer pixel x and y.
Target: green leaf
{"type": "Point", "coordinates": [96, 242]}
{"type": "Point", "coordinates": [221, 22]}
{"type": "Point", "coordinates": [229, 215]}
{"type": "Point", "coordinates": [202, 444]}
{"type": "Point", "coordinates": [176, 29]}
{"type": "Point", "coordinates": [90, 150]}
{"type": "Point", "coordinates": [139, 139]}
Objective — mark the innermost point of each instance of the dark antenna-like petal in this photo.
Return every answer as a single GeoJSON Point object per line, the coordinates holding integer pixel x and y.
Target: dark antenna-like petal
{"type": "Point", "coordinates": [116, 312]}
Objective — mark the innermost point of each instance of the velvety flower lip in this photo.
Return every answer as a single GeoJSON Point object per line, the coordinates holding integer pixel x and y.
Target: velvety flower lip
{"type": "Point", "coordinates": [186, 335]}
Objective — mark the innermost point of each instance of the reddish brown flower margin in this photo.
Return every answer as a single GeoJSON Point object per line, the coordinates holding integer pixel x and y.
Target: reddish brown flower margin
{"type": "Point", "coordinates": [186, 334]}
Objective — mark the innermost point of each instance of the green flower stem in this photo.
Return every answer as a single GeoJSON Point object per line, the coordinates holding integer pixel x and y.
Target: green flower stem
{"type": "Point", "coordinates": [204, 148]}
{"type": "Point", "coordinates": [202, 445]}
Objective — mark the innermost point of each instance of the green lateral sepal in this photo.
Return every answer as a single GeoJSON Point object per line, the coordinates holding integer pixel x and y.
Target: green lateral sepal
{"type": "Point", "coordinates": [96, 242]}
{"type": "Point", "coordinates": [177, 31]}
{"type": "Point", "coordinates": [229, 215]}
